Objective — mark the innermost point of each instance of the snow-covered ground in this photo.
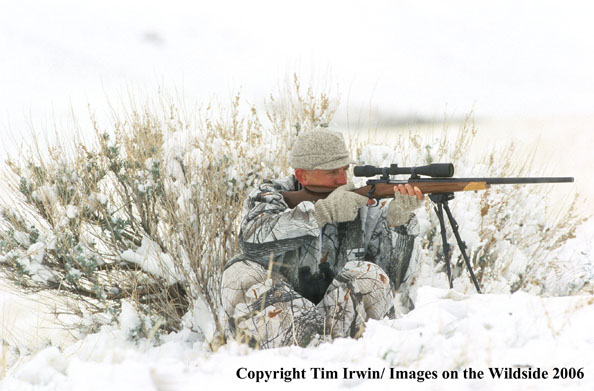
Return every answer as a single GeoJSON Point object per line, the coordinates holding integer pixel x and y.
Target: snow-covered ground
{"type": "Point", "coordinates": [525, 66]}
{"type": "Point", "coordinates": [435, 347]}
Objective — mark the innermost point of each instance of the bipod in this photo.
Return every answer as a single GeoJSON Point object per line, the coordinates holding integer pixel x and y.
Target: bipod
{"type": "Point", "coordinates": [441, 200]}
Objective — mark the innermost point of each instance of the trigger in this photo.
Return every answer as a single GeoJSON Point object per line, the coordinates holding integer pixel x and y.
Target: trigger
{"type": "Point", "coordinates": [372, 201]}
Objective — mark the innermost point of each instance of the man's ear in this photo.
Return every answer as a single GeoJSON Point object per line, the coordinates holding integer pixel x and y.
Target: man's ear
{"type": "Point", "coordinates": [301, 176]}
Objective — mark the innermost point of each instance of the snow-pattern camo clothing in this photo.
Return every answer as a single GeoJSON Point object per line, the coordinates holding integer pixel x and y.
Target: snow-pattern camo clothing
{"type": "Point", "coordinates": [293, 241]}
{"type": "Point", "coordinates": [361, 291]}
{"type": "Point", "coordinates": [263, 310]}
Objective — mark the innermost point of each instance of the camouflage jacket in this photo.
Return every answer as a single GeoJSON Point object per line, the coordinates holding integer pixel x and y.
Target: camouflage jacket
{"type": "Point", "coordinates": [292, 238]}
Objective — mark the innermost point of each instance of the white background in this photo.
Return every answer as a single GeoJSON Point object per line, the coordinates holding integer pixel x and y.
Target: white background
{"type": "Point", "coordinates": [515, 59]}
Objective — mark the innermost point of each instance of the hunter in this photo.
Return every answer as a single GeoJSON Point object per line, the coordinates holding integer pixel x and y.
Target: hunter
{"type": "Point", "coordinates": [319, 270]}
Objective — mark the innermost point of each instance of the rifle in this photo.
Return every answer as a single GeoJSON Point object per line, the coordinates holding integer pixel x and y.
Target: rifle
{"type": "Point", "coordinates": [441, 187]}
{"type": "Point", "coordinates": [440, 182]}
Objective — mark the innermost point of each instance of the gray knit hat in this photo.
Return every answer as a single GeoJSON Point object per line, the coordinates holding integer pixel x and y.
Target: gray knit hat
{"type": "Point", "coordinates": [319, 149]}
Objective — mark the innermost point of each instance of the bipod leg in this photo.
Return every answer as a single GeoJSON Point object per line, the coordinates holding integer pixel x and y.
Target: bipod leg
{"type": "Point", "coordinates": [439, 200]}
{"type": "Point", "coordinates": [461, 244]}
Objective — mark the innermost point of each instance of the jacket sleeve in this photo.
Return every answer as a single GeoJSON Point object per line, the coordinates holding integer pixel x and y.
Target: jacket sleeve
{"type": "Point", "coordinates": [270, 226]}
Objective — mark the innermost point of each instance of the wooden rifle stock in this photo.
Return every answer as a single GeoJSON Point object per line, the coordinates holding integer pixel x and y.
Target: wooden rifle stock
{"type": "Point", "coordinates": [378, 189]}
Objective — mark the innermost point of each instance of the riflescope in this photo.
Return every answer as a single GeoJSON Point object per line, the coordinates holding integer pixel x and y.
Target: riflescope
{"type": "Point", "coordinates": [437, 170]}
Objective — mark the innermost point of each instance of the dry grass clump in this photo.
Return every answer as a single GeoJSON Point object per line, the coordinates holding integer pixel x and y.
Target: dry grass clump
{"type": "Point", "coordinates": [147, 211]}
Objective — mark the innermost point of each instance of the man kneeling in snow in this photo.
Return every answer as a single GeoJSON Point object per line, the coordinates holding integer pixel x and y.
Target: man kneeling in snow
{"type": "Point", "coordinates": [320, 269]}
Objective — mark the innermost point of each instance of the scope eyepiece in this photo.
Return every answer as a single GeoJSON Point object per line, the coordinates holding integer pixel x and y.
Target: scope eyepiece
{"type": "Point", "coordinates": [437, 170]}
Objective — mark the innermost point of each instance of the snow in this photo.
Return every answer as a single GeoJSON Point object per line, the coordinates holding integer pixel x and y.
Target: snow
{"type": "Point", "coordinates": [46, 194]}
{"type": "Point", "coordinates": [152, 259]}
{"type": "Point", "coordinates": [32, 262]}
{"type": "Point", "coordinates": [72, 211]}
{"type": "Point", "coordinates": [448, 331]}
{"type": "Point", "coordinates": [528, 61]}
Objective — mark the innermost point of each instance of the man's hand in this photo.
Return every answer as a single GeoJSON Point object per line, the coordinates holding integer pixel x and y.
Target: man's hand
{"type": "Point", "coordinates": [407, 189]}
{"type": "Point", "coordinates": [406, 199]}
{"type": "Point", "coordinates": [340, 206]}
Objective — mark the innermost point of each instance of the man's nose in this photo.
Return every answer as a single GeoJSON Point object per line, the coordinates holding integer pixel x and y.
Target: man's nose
{"type": "Point", "coordinates": [342, 178]}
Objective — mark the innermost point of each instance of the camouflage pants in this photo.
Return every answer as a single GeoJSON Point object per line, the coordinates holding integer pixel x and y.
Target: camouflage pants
{"type": "Point", "coordinates": [264, 310]}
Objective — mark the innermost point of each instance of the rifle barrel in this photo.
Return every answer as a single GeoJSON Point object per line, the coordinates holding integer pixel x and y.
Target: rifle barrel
{"type": "Point", "coordinates": [491, 181]}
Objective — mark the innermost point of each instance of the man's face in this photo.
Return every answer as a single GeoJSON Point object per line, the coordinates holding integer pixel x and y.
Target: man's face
{"type": "Point", "coordinates": [320, 179]}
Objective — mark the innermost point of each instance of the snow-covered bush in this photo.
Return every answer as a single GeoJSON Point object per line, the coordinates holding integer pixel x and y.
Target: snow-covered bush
{"type": "Point", "coordinates": [148, 211]}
